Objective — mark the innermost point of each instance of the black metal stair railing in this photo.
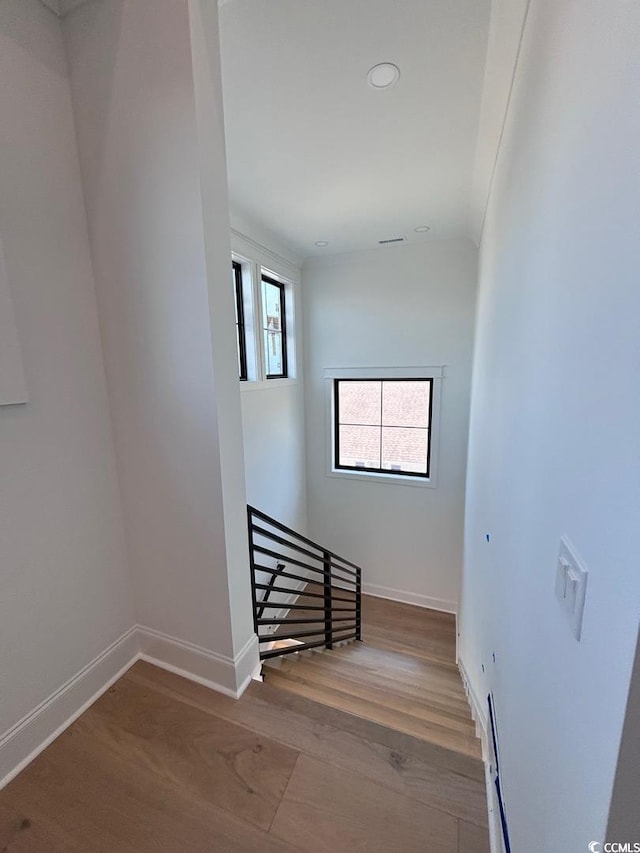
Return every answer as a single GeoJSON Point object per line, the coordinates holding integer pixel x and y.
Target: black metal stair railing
{"type": "Point", "coordinates": [333, 584]}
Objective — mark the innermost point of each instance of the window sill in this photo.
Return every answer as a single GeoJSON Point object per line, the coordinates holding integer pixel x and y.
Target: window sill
{"type": "Point", "coordinates": [262, 384]}
{"type": "Point", "coordinates": [388, 479]}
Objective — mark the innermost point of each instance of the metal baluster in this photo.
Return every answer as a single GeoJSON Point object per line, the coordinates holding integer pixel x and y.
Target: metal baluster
{"type": "Point", "coordinates": [359, 605]}
{"type": "Point", "coordinates": [252, 562]}
{"type": "Point", "coordinates": [328, 639]}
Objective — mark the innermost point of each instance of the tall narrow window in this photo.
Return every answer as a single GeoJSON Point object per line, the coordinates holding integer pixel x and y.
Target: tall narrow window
{"type": "Point", "coordinates": [274, 328]}
{"type": "Point", "coordinates": [240, 329]}
{"type": "Point", "coordinates": [383, 425]}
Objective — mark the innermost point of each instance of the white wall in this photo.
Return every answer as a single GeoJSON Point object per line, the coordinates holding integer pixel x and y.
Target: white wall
{"type": "Point", "coordinates": [65, 593]}
{"type": "Point", "coordinates": [393, 307]}
{"type": "Point", "coordinates": [207, 79]}
{"type": "Point", "coordinates": [503, 48]}
{"type": "Point", "coordinates": [149, 123]}
{"type": "Point", "coordinates": [273, 411]}
{"type": "Point", "coordinates": [13, 386]}
{"type": "Point", "coordinates": [555, 421]}
{"type": "Point", "coordinates": [274, 447]}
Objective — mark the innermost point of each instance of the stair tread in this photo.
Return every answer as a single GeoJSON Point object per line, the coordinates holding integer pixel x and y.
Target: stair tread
{"type": "Point", "coordinates": [411, 717]}
{"type": "Point", "coordinates": [394, 645]}
{"type": "Point", "coordinates": [423, 631]}
{"type": "Point", "coordinates": [441, 695]}
{"type": "Point", "coordinates": [426, 750]}
{"type": "Point", "coordinates": [402, 675]}
{"type": "Point", "coordinates": [401, 720]}
{"type": "Point", "coordinates": [422, 687]}
{"type": "Point", "coordinates": [400, 665]}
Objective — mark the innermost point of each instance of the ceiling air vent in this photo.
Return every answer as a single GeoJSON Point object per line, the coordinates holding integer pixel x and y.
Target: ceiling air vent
{"type": "Point", "coordinates": [392, 240]}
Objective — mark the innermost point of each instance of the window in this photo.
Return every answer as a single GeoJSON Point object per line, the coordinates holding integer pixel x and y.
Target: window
{"type": "Point", "coordinates": [264, 303]}
{"type": "Point", "coordinates": [274, 328]}
{"type": "Point", "coordinates": [383, 426]}
{"type": "Point", "coordinates": [241, 333]}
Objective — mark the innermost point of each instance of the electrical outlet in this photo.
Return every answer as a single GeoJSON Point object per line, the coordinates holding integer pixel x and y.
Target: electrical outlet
{"type": "Point", "coordinates": [571, 585]}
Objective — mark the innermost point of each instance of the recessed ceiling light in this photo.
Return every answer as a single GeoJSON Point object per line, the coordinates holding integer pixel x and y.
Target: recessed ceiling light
{"type": "Point", "coordinates": [421, 229]}
{"type": "Point", "coordinates": [321, 243]}
{"type": "Point", "coordinates": [383, 75]}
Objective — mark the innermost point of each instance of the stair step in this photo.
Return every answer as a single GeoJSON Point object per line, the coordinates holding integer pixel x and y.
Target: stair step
{"type": "Point", "coordinates": [424, 632]}
{"type": "Point", "coordinates": [409, 657]}
{"type": "Point", "coordinates": [403, 675]}
{"type": "Point", "coordinates": [347, 669]}
{"type": "Point", "coordinates": [424, 727]}
{"type": "Point", "coordinates": [402, 742]}
{"type": "Point", "coordinates": [423, 770]}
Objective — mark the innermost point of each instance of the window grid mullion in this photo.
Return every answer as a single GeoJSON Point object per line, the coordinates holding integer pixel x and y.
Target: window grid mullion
{"type": "Point", "coordinates": [381, 410]}
{"type": "Point", "coordinates": [385, 426]}
{"type": "Point", "coordinates": [338, 423]}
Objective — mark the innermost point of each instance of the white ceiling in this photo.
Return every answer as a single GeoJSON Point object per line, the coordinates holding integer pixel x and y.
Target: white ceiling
{"type": "Point", "coordinates": [315, 153]}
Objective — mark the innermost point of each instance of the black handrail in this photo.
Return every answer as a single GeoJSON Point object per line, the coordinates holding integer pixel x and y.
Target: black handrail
{"type": "Point", "coordinates": [269, 588]}
{"type": "Point", "coordinates": [338, 582]}
{"type": "Point", "coordinates": [280, 526]}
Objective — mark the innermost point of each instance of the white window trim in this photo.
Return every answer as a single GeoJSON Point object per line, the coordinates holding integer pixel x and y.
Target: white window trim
{"type": "Point", "coordinates": [289, 326]}
{"type": "Point", "coordinates": [256, 260]}
{"type": "Point", "coordinates": [434, 373]}
{"type": "Point", "coordinates": [252, 298]}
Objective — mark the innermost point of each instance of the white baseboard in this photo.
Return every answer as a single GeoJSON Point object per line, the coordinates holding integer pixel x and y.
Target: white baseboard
{"type": "Point", "coordinates": [479, 714]}
{"type": "Point", "coordinates": [478, 711]}
{"type": "Point", "coordinates": [20, 744]}
{"type": "Point", "coordinates": [405, 597]}
{"type": "Point", "coordinates": [37, 729]}
{"type": "Point", "coordinates": [218, 672]}
{"type": "Point", "coordinates": [247, 665]}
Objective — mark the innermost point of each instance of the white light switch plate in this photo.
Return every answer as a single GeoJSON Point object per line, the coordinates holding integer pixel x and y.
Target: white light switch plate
{"type": "Point", "coordinates": [571, 585]}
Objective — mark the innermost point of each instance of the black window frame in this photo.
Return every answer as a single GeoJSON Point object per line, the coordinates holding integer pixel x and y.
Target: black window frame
{"type": "Point", "coordinates": [283, 331]}
{"type": "Point", "coordinates": [336, 427]}
{"type": "Point", "coordinates": [241, 331]}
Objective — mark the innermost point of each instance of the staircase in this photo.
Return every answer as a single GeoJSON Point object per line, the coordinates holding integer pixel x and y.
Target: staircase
{"type": "Point", "coordinates": [401, 675]}
{"type": "Point", "coordinates": [304, 595]}
{"type": "Point", "coordinates": [378, 696]}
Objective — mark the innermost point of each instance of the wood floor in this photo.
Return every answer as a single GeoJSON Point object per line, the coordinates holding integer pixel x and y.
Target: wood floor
{"type": "Point", "coordinates": [160, 764]}
{"type": "Point", "coordinates": [403, 675]}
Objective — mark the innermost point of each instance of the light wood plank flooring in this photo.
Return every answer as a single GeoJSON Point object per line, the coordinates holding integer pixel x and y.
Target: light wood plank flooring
{"type": "Point", "coordinates": [403, 675]}
{"type": "Point", "coordinates": [160, 764]}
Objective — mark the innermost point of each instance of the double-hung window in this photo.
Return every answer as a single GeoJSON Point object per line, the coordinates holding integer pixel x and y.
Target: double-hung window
{"type": "Point", "coordinates": [265, 324]}
{"type": "Point", "coordinates": [274, 318]}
